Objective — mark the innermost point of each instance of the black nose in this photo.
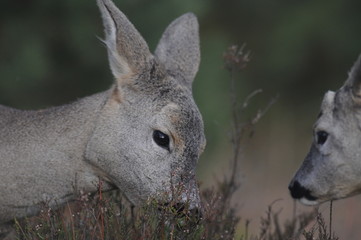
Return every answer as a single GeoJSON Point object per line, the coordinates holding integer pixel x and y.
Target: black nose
{"type": "Point", "coordinates": [298, 191]}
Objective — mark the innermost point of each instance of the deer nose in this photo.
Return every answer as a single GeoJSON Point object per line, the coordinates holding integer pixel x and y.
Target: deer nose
{"type": "Point", "coordinates": [298, 191]}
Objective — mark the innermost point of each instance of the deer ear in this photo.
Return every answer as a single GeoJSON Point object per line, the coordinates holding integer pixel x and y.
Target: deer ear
{"type": "Point", "coordinates": [128, 53]}
{"type": "Point", "coordinates": [178, 49]}
{"type": "Point", "coordinates": [354, 80]}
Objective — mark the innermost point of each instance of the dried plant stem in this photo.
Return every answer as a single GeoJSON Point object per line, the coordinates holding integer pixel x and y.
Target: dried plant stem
{"type": "Point", "coordinates": [71, 220]}
{"type": "Point", "coordinates": [294, 209]}
{"type": "Point", "coordinates": [240, 128]}
{"type": "Point", "coordinates": [101, 212]}
{"type": "Point", "coordinates": [330, 224]}
{"type": "Point", "coordinates": [246, 231]}
{"type": "Point", "coordinates": [235, 61]}
{"type": "Point", "coordinates": [19, 227]}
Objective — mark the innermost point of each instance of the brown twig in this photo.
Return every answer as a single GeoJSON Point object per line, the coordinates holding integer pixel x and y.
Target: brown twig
{"type": "Point", "coordinates": [330, 230]}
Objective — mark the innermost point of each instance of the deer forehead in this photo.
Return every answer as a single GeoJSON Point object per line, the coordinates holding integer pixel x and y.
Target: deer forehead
{"type": "Point", "coordinates": [185, 124]}
{"type": "Point", "coordinates": [337, 112]}
{"type": "Point", "coordinates": [172, 108]}
{"type": "Point", "coordinates": [182, 116]}
{"type": "Point", "coordinates": [325, 118]}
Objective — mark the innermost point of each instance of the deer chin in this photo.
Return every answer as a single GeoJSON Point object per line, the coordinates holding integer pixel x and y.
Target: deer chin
{"type": "Point", "coordinates": [308, 202]}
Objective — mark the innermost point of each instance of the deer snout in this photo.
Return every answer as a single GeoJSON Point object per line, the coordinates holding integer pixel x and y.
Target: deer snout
{"type": "Point", "coordinates": [299, 192]}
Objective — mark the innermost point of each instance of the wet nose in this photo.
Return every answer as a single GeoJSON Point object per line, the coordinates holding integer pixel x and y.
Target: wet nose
{"type": "Point", "coordinates": [298, 191]}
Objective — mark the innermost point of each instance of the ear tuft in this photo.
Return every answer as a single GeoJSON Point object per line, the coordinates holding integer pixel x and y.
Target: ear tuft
{"type": "Point", "coordinates": [178, 49]}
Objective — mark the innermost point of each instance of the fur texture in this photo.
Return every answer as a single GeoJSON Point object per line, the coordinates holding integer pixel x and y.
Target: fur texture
{"type": "Point", "coordinates": [48, 155]}
{"type": "Point", "coordinates": [332, 168]}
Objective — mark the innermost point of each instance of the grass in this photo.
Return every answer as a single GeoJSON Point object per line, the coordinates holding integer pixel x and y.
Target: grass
{"type": "Point", "coordinates": [108, 216]}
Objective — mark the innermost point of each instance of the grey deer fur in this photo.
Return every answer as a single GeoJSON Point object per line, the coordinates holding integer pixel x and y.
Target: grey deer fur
{"type": "Point", "coordinates": [48, 155]}
{"type": "Point", "coordinates": [332, 168]}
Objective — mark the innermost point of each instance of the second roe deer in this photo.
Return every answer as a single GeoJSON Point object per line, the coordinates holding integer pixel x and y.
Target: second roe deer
{"type": "Point", "coordinates": [332, 168]}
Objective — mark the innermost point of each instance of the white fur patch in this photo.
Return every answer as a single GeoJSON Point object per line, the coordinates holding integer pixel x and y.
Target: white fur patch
{"type": "Point", "coordinates": [328, 101]}
{"type": "Point", "coordinates": [307, 202]}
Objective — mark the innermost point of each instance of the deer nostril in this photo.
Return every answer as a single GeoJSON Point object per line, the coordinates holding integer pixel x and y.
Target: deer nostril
{"type": "Point", "coordinates": [298, 191]}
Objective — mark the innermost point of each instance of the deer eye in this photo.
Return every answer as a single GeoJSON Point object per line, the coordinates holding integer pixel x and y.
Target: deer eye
{"type": "Point", "coordinates": [161, 139]}
{"type": "Point", "coordinates": [321, 137]}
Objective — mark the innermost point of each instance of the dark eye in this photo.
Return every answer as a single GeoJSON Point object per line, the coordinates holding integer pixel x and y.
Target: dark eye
{"type": "Point", "coordinates": [161, 139]}
{"type": "Point", "coordinates": [321, 137]}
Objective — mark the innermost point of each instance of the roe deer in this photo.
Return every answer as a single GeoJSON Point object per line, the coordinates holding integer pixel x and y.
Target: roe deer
{"type": "Point", "coordinates": [143, 135]}
{"type": "Point", "coordinates": [332, 168]}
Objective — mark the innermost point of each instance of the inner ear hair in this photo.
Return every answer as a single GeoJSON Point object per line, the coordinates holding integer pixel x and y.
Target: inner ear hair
{"type": "Point", "coordinates": [354, 79]}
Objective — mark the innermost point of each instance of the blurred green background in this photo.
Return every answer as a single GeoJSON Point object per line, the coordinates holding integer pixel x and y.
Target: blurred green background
{"type": "Point", "coordinates": [50, 54]}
